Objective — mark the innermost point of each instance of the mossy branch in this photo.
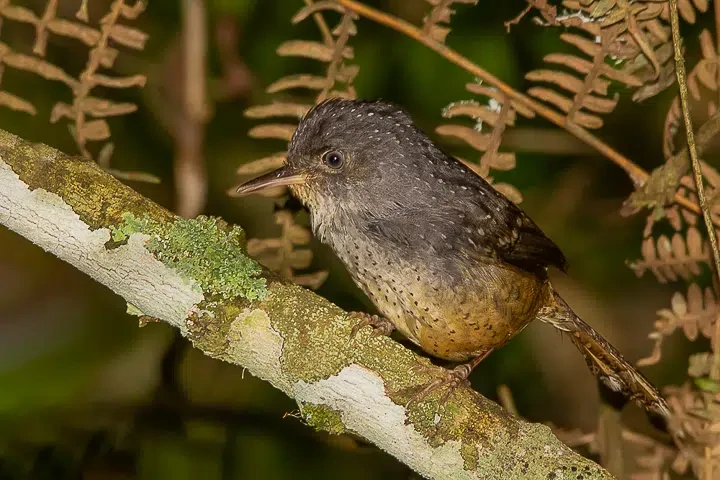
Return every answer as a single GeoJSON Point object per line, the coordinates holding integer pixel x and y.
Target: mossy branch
{"type": "Point", "coordinates": [195, 275]}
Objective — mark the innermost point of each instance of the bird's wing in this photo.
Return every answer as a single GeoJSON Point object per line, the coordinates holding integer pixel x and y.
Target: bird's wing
{"type": "Point", "coordinates": [497, 227]}
{"type": "Point", "coordinates": [465, 214]}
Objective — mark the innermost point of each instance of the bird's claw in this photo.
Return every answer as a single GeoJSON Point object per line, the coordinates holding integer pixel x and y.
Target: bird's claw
{"type": "Point", "coordinates": [450, 380]}
{"type": "Point", "coordinates": [381, 326]}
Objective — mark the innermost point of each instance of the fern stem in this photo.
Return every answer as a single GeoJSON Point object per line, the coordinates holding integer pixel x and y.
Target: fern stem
{"type": "Point", "coordinates": [322, 26]}
{"type": "Point", "coordinates": [637, 174]}
{"type": "Point", "coordinates": [694, 161]}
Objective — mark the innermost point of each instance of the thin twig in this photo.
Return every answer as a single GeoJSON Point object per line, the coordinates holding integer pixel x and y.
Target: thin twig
{"type": "Point", "coordinates": [195, 48]}
{"type": "Point", "coordinates": [189, 168]}
{"type": "Point", "coordinates": [694, 161]}
{"type": "Point", "coordinates": [638, 175]}
{"type": "Point", "coordinates": [518, 17]}
{"type": "Point", "coordinates": [506, 399]}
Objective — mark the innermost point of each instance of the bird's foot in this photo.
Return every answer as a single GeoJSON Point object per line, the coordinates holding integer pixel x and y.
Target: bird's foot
{"type": "Point", "coordinates": [448, 381]}
{"type": "Point", "coordinates": [381, 326]}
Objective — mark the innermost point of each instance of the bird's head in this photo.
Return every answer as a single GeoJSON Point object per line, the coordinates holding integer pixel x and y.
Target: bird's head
{"type": "Point", "coordinates": [351, 154]}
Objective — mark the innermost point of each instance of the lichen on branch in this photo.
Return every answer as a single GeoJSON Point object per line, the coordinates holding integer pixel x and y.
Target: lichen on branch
{"type": "Point", "coordinates": [205, 250]}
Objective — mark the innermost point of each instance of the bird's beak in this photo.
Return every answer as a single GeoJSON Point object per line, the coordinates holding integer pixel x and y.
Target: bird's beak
{"type": "Point", "coordinates": [281, 177]}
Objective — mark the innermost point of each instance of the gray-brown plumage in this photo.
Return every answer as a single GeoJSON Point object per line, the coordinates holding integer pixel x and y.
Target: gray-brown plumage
{"type": "Point", "coordinates": [450, 262]}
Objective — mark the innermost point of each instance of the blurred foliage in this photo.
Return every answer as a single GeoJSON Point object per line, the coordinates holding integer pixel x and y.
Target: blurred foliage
{"type": "Point", "coordinates": [86, 394]}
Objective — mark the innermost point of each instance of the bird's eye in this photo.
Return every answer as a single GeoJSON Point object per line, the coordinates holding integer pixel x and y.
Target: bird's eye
{"type": "Point", "coordinates": [333, 159]}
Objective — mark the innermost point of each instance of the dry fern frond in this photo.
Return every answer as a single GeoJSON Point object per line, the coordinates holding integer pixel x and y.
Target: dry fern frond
{"type": "Point", "coordinates": [668, 179]}
{"type": "Point", "coordinates": [639, 30]}
{"type": "Point", "coordinates": [630, 35]}
{"type": "Point", "coordinates": [669, 259]}
{"type": "Point", "coordinates": [490, 120]}
{"type": "Point", "coordinates": [337, 81]}
{"type": "Point", "coordinates": [712, 191]}
{"type": "Point", "coordinates": [694, 313]}
{"type": "Point", "coordinates": [698, 414]}
{"type": "Point", "coordinates": [586, 80]}
{"type": "Point", "coordinates": [678, 217]}
{"type": "Point", "coordinates": [440, 14]}
{"type": "Point", "coordinates": [589, 91]}
{"type": "Point", "coordinates": [88, 113]}
{"type": "Point", "coordinates": [280, 255]}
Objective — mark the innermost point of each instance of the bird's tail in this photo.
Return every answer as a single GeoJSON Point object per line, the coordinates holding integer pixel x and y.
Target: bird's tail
{"type": "Point", "coordinates": [604, 361]}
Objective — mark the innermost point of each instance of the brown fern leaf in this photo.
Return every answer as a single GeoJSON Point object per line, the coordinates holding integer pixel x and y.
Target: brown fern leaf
{"type": "Point", "coordinates": [671, 258]}
{"type": "Point", "coordinates": [586, 81]}
{"type": "Point", "coordinates": [435, 23]}
{"type": "Point", "coordinates": [642, 38]}
{"type": "Point", "coordinates": [642, 41]}
{"type": "Point", "coordinates": [677, 217]}
{"type": "Point", "coordinates": [87, 112]}
{"type": "Point", "coordinates": [491, 118]}
{"type": "Point", "coordinates": [669, 180]}
{"type": "Point", "coordinates": [629, 35]}
{"type": "Point", "coordinates": [695, 313]}
{"type": "Point", "coordinates": [695, 411]}
{"type": "Point", "coordinates": [279, 254]}
{"type": "Point", "coordinates": [687, 189]}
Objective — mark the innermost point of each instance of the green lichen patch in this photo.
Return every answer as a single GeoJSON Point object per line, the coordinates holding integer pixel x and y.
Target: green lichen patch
{"type": "Point", "coordinates": [307, 323]}
{"type": "Point", "coordinates": [470, 456]}
{"type": "Point", "coordinates": [203, 250]}
{"type": "Point", "coordinates": [322, 417]}
{"type": "Point", "coordinates": [120, 234]}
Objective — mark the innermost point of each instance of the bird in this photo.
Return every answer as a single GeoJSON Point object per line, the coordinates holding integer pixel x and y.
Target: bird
{"type": "Point", "coordinates": [449, 262]}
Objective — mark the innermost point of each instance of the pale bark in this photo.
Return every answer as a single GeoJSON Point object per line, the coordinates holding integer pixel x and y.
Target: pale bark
{"type": "Point", "coordinates": [292, 338]}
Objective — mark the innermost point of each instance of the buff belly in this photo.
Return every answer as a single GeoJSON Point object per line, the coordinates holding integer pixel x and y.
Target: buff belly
{"type": "Point", "coordinates": [459, 322]}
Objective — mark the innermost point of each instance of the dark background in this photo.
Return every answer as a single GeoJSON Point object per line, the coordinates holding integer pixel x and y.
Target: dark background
{"type": "Point", "coordinates": [85, 393]}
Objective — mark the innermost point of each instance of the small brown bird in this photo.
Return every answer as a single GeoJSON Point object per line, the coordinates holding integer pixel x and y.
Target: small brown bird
{"type": "Point", "coordinates": [450, 262]}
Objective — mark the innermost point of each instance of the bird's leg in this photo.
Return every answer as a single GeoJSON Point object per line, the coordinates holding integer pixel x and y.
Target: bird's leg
{"type": "Point", "coordinates": [450, 380]}
{"type": "Point", "coordinates": [381, 326]}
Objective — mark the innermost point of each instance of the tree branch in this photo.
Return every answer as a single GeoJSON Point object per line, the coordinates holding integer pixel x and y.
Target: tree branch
{"type": "Point", "coordinates": [194, 275]}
